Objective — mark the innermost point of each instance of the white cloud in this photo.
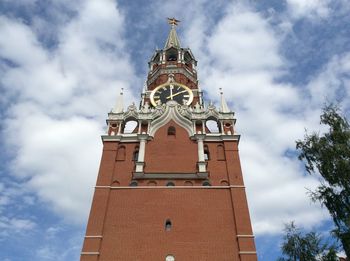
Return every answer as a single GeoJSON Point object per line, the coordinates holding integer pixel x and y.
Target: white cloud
{"type": "Point", "coordinates": [14, 226]}
{"type": "Point", "coordinates": [309, 8]}
{"type": "Point", "coordinates": [59, 98]}
{"type": "Point", "coordinates": [332, 83]}
{"type": "Point", "coordinates": [242, 56]}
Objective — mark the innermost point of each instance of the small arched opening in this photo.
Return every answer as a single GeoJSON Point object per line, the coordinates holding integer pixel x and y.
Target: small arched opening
{"type": "Point", "coordinates": [171, 131]}
{"type": "Point", "coordinates": [206, 183]}
{"type": "Point", "coordinates": [121, 153]}
{"type": "Point", "coordinates": [168, 225]}
{"type": "Point", "coordinates": [133, 183]}
{"type": "Point", "coordinates": [170, 184]}
{"type": "Point", "coordinates": [171, 55]}
{"type": "Point", "coordinates": [212, 126]}
{"type": "Point", "coordinates": [220, 153]}
{"type": "Point", "coordinates": [130, 126]}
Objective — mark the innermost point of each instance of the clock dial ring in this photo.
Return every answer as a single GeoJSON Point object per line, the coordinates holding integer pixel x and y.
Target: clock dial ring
{"type": "Point", "coordinates": [171, 91]}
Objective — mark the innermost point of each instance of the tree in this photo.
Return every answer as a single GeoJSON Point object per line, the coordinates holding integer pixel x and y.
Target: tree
{"type": "Point", "coordinates": [305, 247]}
{"type": "Point", "coordinates": [329, 155]}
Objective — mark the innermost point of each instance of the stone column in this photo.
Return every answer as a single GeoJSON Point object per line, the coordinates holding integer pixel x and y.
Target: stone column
{"type": "Point", "coordinates": [202, 165]}
{"type": "Point", "coordinates": [141, 157]}
{"type": "Point", "coordinates": [203, 127]}
{"type": "Point", "coordinates": [119, 127]}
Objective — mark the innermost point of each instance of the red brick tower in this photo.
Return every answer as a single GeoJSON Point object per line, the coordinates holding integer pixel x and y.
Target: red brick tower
{"type": "Point", "coordinates": [171, 188]}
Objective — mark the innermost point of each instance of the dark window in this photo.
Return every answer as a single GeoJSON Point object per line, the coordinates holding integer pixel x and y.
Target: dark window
{"type": "Point", "coordinates": [187, 57]}
{"type": "Point", "coordinates": [206, 153]}
{"type": "Point", "coordinates": [172, 54]}
{"type": "Point", "coordinates": [170, 184]}
{"type": "Point", "coordinates": [206, 183]}
{"type": "Point", "coordinates": [171, 131]}
{"type": "Point", "coordinates": [135, 155]}
{"type": "Point", "coordinates": [156, 58]}
{"type": "Point", "coordinates": [167, 225]}
{"type": "Point", "coordinates": [133, 183]}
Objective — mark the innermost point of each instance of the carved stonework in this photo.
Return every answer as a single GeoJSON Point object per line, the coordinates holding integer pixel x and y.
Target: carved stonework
{"type": "Point", "coordinates": [183, 115]}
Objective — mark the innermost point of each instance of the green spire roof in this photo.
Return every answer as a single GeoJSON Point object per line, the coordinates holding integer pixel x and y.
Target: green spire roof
{"type": "Point", "coordinates": [173, 40]}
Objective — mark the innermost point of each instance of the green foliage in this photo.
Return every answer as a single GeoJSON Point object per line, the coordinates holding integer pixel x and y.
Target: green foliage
{"type": "Point", "coordinates": [329, 155]}
{"type": "Point", "coordinates": [305, 247]}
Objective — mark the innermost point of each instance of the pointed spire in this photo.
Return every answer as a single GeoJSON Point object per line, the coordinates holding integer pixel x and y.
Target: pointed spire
{"type": "Point", "coordinates": [172, 40]}
{"type": "Point", "coordinates": [224, 107]}
{"type": "Point", "coordinates": [119, 107]}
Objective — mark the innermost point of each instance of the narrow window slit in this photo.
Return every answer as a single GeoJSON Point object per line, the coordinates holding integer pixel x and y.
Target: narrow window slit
{"type": "Point", "coordinates": [167, 225]}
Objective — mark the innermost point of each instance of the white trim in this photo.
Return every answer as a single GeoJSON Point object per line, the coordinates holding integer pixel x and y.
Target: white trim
{"type": "Point", "coordinates": [93, 236]}
{"type": "Point", "coordinates": [172, 187]}
{"type": "Point", "coordinates": [245, 236]}
{"type": "Point", "coordinates": [247, 252]}
{"type": "Point", "coordinates": [90, 253]}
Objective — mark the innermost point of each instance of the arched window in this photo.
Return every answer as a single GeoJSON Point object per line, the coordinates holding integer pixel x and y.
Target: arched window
{"type": "Point", "coordinates": [170, 184]}
{"type": "Point", "coordinates": [130, 126]}
{"type": "Point", "coordinates": [135, 155]}
{"type": "Point", "coordinates": [171, 54]}
{"type": "Point", "coordinates": [133, 183]}
{"type": "Point", "coordinates": [121, 153]}
{"type": "Point", "coordinates": [167, 225]}
{"type": "Point", "coordinates": [220, 153]}
{"type": "Point", "coordinates": [171, 131]}
{"type": "Point", "coordinates": [169, 258]}
{"type": "Point", "coordinates": [152, 183]}
{"type": "Point", "coordinates": [224, 183]}
{"type": "Point", "coordinates": [188, 183]}
{"type": "Point", "coordinates": [212, 126]}
{"type": "Point", "coordinates": [206, 153]}
{"type": "Point", "coordinates": [206, 183]}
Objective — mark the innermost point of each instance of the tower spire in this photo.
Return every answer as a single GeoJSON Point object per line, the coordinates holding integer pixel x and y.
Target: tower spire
{"type": "Point", "coordinates": [224, 107]}
{"type": "Point", "coordinates": [172, 40]}
{"type": "Point", "coordinates": [119, 107]}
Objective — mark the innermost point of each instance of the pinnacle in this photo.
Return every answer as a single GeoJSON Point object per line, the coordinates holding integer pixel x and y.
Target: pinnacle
{"type": "Point", "coordinates": [173, 40]}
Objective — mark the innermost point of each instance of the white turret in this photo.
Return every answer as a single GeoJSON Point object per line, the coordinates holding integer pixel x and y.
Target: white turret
{"type": "Point", "coordinates": [224, 108]}
{"type": "Point", "coordinates": [119, 107]}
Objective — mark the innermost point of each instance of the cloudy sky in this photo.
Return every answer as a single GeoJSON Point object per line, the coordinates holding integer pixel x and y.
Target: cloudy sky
{"type": "Point", "coordinates": [63, 62]}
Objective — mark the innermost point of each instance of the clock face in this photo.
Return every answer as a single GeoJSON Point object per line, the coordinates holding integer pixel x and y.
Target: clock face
{"type": "Point", "coordinates": [171, 91]}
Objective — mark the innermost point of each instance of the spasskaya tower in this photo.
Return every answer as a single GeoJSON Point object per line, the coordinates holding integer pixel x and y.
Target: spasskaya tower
{"type": "Point", "coordinates": [170, 185]}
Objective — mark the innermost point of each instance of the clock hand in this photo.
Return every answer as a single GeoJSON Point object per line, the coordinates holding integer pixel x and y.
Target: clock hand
{"type": "Point", "coordinates": [171, 92]}
{"type": "Point", "coordinates": [172, 95]}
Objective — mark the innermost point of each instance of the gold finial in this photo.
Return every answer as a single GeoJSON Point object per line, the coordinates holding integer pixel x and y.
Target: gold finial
{"type": "Point", "coordinates": [173, 21]}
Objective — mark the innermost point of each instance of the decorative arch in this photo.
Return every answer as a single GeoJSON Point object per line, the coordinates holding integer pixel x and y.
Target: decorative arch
{"type": "Point", "coordinates": [152, 183]}
{"type": "Point", "coordinates": [220, 152]}
{"type": "Point", "coordinates": [171, 113]}
{"type": "Point", "coordinates": [121, 153]}
{"type": "Point", "coordinates": [115, 183]}
{"type": "Point", "coordinates": [188, 183]}
{"type": "Point", "coordinates": [224, 182]}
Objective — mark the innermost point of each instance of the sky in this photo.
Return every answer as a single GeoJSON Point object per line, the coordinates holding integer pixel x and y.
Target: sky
{"type": "Point", "coordinates": [62, 64]}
